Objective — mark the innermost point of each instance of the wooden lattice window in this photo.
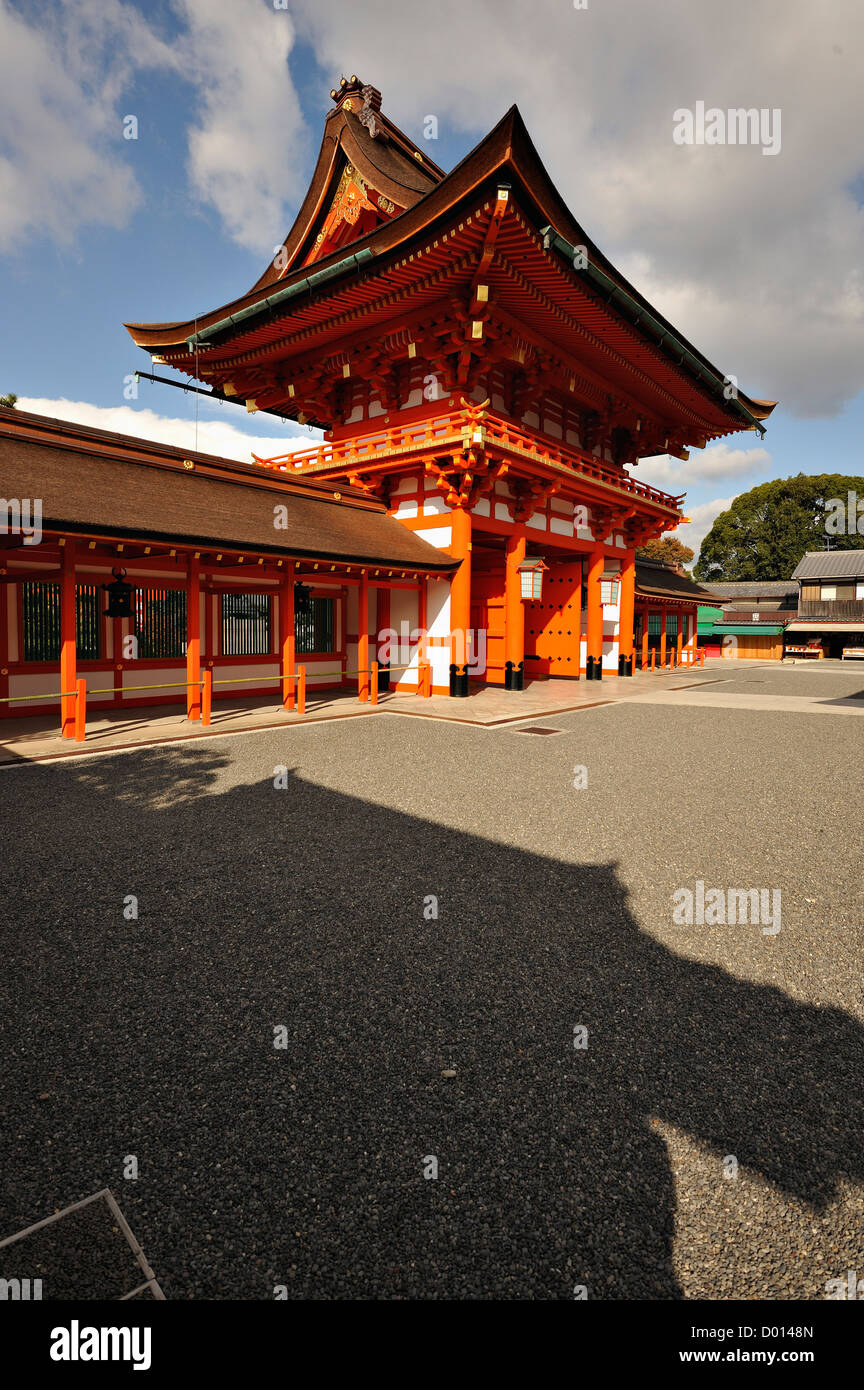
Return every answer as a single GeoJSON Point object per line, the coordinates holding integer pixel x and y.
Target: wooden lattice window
{"type": "Point", "coordinates": [246, 624]}
{"type": "Point", "coordinates": [313, 630]}
{"type": "Point", "coordinates": [160, 623]}
{"type": "Point", "coordinates": [40, 604]}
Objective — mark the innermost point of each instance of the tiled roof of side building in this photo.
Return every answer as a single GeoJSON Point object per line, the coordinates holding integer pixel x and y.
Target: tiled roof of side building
{"type": "Point", "coordinates": [92, 481]}
{"type": "Point", "coordinates": [766, 588]}
{"type": "Point", "coordinates": [656, 580]}
{"type": "Point", "coordinates": [830, 564]}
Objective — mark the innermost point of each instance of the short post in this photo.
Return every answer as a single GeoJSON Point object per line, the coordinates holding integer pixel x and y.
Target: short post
{"type": "Point", "coordinates": [301, 689]}
{"type": "Point", "coordinates": [653, 657]}
{"type": "Point", "coordinates": [80, 710]}
{"type": "Point", "coordinates": [206, 696]}
{"type": "Point", "coordinates": [373, 694]}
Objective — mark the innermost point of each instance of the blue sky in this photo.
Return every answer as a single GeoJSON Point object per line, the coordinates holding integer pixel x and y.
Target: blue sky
{"type": "Point", "coordinates": [230, 97]}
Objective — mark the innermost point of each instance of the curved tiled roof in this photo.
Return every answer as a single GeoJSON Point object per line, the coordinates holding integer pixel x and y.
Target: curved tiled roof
{"type": "Point", "coordinates": [92, 481]}
{"type": "Point", "coordinates": [830, 564]}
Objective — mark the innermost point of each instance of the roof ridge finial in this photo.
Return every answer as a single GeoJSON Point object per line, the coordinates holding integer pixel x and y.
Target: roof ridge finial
{"type": "Point", "coordinates": [362, 100]}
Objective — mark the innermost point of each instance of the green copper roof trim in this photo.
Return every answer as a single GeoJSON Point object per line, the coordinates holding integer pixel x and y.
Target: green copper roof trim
{"type": "Point", "coordinates": [640, 316]}
{"type": "Point", "coordinates": [309, 282]}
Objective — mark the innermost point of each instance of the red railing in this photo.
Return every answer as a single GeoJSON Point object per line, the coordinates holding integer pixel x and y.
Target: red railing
{"type": "Point", "coordinates": [454, 431]}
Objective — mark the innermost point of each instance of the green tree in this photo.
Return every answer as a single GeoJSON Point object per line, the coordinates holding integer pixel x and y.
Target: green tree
{"type": "Point", "coordinates": [667, 549]}
{"type": "Point", "coordinates": [766, 530]}
{"type": "Point", "coordinates": [9, 401]}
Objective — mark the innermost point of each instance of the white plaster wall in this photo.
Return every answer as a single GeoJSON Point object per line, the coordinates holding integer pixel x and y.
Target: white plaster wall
{"type": "Point", "coordinates": [438, 607]}
{"type": "Point", "coordinates": [439, 659]}
{"type": "Point", "coordinates": [404, 608]}
{"type": "Point", "coordinates": [439, 536]}
{"type": "Point", "coordinates": [245, 677]}
{"type": "Point", "coordinates": [131, 679]}
{"type": "Point", "coordinates": [435, 506]}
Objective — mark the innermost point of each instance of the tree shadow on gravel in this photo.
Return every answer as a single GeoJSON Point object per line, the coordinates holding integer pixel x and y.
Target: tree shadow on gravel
{"type": "Point", "coordinates": [304, 1166]}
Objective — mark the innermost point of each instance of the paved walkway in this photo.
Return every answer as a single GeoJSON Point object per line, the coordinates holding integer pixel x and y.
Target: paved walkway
{"type": "Point", "coordinates": [38, 739]}
{"type": "Point", "coordinates": [286, 1040]}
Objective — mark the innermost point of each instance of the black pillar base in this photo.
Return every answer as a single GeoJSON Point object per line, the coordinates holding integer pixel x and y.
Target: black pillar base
{"type": "Point", "coordinates": [514, 676]}
{"type": "Point", "coordinates": [383, 678]}
{"type": "Point", "coordinates": [594, 668]}
{"type": "Point", "coordinates": [458, 682]}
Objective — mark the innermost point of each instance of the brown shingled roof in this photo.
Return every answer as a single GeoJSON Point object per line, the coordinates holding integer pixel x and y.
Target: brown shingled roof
{"type": "Point", "coordinates": [106, 490]}
{"type": "Point", "coordinates": [655, 580]}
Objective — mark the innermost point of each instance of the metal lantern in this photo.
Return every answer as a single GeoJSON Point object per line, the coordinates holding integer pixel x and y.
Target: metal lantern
{"type": "Point", "coordinates": [531, 578]}
{"type": "Point", "coordinates": [302, 598]}
{"type": "Point", "coordinates": [119, 596]}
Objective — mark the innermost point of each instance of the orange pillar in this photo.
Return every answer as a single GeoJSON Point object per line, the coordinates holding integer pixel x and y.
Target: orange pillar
{"type": "Point", "coordinates": [594, 606]}
{"type": "Point", "coordinates": [68, 652]}
{"type": "Point", "coordinates": [627, 606]}
{"type": "Point", "coordinates": [286, 635]}
{"type": "Point", "coordinates": [363, 637]}
{"type": "Point", "coordinates": [645, 616]}
{"type": "Point", "coordinates": [460, 587]}
{"type": "Point", "coordinates": [514, 611]}
{"type": "Point", "coordinates": [663, 613]}
{"type": "Point", "coordinates": [680, 636]}
{"type": "Point", "coordinates": [193, 638]}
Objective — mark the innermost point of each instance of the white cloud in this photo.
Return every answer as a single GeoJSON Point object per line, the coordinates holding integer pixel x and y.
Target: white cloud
{"type": "Point", "coordinates": [757, 260]}
{"type": "Point", "coordinates": [64, 163]}
{"type": "Point", "coordinates": [246, 148]}
{"type": "Point", "coordinates": [702, 518]}
{"type": "Point", "coordinates": [60, 139]}
{"type": "Point", "coordinates": [717, 461]}
{"type": "Point", "coordinates": [214, 436]}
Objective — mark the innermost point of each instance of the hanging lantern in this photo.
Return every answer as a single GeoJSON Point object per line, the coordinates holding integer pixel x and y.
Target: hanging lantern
{"type": "Point", "coordinates": [119, 596]}
{"type": "Point", "coordinates": [531, 578]}
{"type": "Point", "coordinates": [609, 586]}
{"type": "Point", "coordinates": [302, 598]}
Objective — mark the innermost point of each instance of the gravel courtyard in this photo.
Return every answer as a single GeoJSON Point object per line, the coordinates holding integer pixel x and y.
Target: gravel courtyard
{"type": "Point", "coordinates": [706, 1141]}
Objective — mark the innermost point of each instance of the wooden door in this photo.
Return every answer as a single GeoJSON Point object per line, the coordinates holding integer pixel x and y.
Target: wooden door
{"type": "Point", "coordinates": [553, 626]}
{"type": "Point", "coordinates": [487, 615]}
